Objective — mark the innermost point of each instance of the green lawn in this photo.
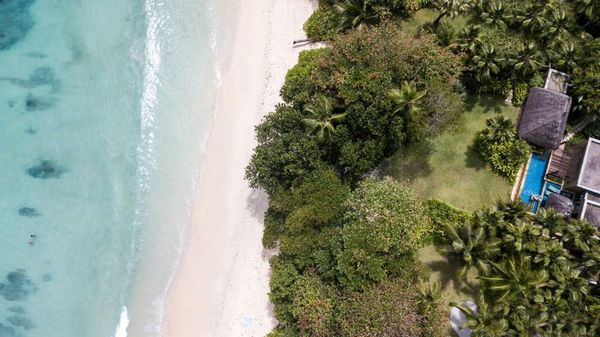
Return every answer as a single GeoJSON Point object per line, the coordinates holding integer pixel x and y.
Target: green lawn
{"type": "Point", "coordinates": [446, 167]}
{"type": "Point", "coordinates": [418, 19]}
{"type": "Point", "coordinates": [445, 270]}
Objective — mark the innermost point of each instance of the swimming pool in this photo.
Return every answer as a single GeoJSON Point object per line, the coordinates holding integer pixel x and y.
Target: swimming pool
{"type": "Point", "coordinates": [534, 180]}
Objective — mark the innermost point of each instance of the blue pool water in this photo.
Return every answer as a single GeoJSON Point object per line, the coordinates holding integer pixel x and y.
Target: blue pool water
{"type": "Point", "coordinates": [534, 180]}
{"type": "Point", "coordinates": [104, 110]}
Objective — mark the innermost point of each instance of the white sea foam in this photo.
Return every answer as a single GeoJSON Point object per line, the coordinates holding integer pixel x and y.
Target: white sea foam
{"type": "Point", "coordinates": [123, 324]}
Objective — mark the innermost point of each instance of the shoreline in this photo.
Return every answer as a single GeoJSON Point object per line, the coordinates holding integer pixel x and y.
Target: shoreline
{"type": "Point", "coordinates": [222, 282]}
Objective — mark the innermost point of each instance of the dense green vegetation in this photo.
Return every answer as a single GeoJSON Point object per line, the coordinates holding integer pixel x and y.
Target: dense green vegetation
{"type": "Point", "coordinates": [386, 85]}
{"type": "Point", "coordinates": [500, 147]}
{"type": "Point", "coordinates": [366, 75]}
{"type": "Point", "coordinates": [536, 272]}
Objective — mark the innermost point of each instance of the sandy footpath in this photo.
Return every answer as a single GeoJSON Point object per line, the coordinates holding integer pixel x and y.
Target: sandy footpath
{"type": "Point", "coordinates": [222, 283]}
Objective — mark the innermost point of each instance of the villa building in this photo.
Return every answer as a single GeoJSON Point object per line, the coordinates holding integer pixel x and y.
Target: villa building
{"type": "Point", "coordinates": [559, 174]}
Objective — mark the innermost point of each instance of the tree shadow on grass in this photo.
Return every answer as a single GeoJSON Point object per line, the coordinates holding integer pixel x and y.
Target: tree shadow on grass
{"type": "Point", "coordinates": [488, 103]}
{"type": "Point", "coordinates": [448, 268]}
{"type": "Point", "coordinates": [410, 162]}
{"type": "Point", "coordinates": [473, 158]}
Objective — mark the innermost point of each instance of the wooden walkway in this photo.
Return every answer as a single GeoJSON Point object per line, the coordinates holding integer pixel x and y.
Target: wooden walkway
{"type": "Point", "coordinates": [559, 162]}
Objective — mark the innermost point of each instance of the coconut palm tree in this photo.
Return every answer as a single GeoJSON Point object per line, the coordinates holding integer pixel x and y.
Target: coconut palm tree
{"type": "Point", "coordinates": [528, 59]}
{"type": "Point", "coordinates": [533, 17]}
{"type": "Point", "coordinates": [428, 295]}
{"type": "Point", "coordinates": [567, 282]}
{"type": "Point", "coordinates": [515, 278]}
{"type": "Point", "coordinates": [495, 14]}
{"type": "Point", "coordinates": [356, 13]}
{"type": "Point", "coordinates": [451, 8]}
{"type": "Point", "coordinates": [471, 245]}
{"type": "Point", "coordinates": [488, 320]}
{"type": "Point", "coordinates": [486, 62]}
{"type": "Point", "coordinates": [559, 24]}
{"type": "Point", "coordinates": [407, 99]}
{"type": "Point", "coordinates": [470, 38]}
{"type": "Point", "coordinates": [322, 118]}
{"type": "Point", "coordinates": [564, 55]}
{"type": "Point", "coordinates": [588, 8]}
{"type": "Point", "coordinates": [501, 129]}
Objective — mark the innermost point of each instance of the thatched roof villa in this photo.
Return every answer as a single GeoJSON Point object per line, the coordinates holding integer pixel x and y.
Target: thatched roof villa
{"type": "Point", "coordinates": [569, 178]}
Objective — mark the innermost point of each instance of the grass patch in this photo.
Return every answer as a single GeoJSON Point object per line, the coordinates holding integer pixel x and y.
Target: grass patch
{"type": "Point", "coordinates": [445, 270]}
{"type": "Point", "coordinates": [427, 15]}
{"type": "Point", "coordinates": [446, 167]}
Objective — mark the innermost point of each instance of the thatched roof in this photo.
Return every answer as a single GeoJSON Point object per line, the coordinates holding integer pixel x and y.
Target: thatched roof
{"type": "Point", "coordinates": [560, 203]}
{"type": "Point", "coordinates": [544, 117]}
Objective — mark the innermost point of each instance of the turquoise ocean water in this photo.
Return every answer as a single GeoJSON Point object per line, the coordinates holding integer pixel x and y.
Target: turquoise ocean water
{"type": "Point", "coordinates": [104, 111]}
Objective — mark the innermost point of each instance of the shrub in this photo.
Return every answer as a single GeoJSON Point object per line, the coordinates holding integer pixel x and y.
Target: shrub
{"type": "Point", "coordinates": [443, 214]}
{"type": "Point", "coordinates": [297, 88]}
{"type": "Point", "coordinates": [384, 226]}
{"type": "Point", "coordinates": [322, 24]}
{"type": "Point", "coordinates": [507, 158]}
{"type": "Point", "coordinates": [500, 147]}
{"type": "Point", "coordinates": [386, 309]}
{"type": "Point", "coordinates": [313, 307]}
{"type": "Point", "coordinates": [520, 91]}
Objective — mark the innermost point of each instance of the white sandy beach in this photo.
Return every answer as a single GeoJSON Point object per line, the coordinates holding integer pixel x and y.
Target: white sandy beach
{"type": "Point", "coordinates": [221, 286]}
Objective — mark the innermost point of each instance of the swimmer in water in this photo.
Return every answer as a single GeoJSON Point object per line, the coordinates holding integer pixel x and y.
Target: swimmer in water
{"type": "Point", "coordinates": [32, 238]}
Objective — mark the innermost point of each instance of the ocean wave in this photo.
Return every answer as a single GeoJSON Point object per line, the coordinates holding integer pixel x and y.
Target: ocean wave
{"type": "Point", "coordinates": [123, 324]}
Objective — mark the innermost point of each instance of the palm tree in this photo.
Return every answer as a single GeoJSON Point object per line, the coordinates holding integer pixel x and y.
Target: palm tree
{"type": "Point", "coordinates": [451, 8]}
{"type": "Point", "coordinates": [323, 118]}
{"type": "Point", "coordinates": [407, 98]}
{"type": "Point", "coordinates": [470, 38]}
{"type": "Point", "coordinates": [560, 22]}
{"type": "Point", "coordinates": [516, 278]}
{"type": "Point", "coordinates": [521, 235]}
{"type": "Point", "coordinates": [487, 321]}
{"type": "Point", "coordinates": [495, 14]}
{"type": "Point", "coordinates": [528, 59]}
{"type": "Point", "coordinates": [501, 129]}
{"type": "Point", "coordinates": [588, 8]}
{"type": "Point", "coordinates": [428, 295]}
{"type": "Point", "coordinates": [486, 62]}
{"type": "Point", "coordinates": [567, 282]}
{"type": "Point", "coordinates": [356, 14]}
{"type": "Point", "coordinates": [564, 55]}
{"type": "Point", "coordinates": [533, 18]}
{"type": "Point", "coordinates": [472, 247]}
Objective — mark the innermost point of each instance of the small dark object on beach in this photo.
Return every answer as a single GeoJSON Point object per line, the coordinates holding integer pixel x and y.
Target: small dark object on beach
{"type": "Point", "coordinates": [29, 212]}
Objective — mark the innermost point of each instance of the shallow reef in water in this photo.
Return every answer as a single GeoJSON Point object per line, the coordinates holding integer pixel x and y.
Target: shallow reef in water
{"type": "Point", "coordinates": [16, 21]}
{"type": "Point", "coordinates": [18, 288]}
{"type": "Point", "coordinates": [29, 212]}
{"type": "Point", "coordinates": [46, 169]}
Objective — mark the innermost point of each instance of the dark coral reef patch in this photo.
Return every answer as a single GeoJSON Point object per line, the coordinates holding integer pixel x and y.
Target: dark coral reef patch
{"type": "Point", "coordinates": [18, 288]}
{"type": "Point", "coordinates": [15, 21]}
{"type": "Point", "coordinates": [45, 169]}
{"type": "Point", "coordinates": [29, 212]}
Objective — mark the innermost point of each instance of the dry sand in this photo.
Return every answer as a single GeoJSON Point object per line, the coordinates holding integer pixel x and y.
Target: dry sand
{"type": "Point", "coordinates": [221, 285]}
